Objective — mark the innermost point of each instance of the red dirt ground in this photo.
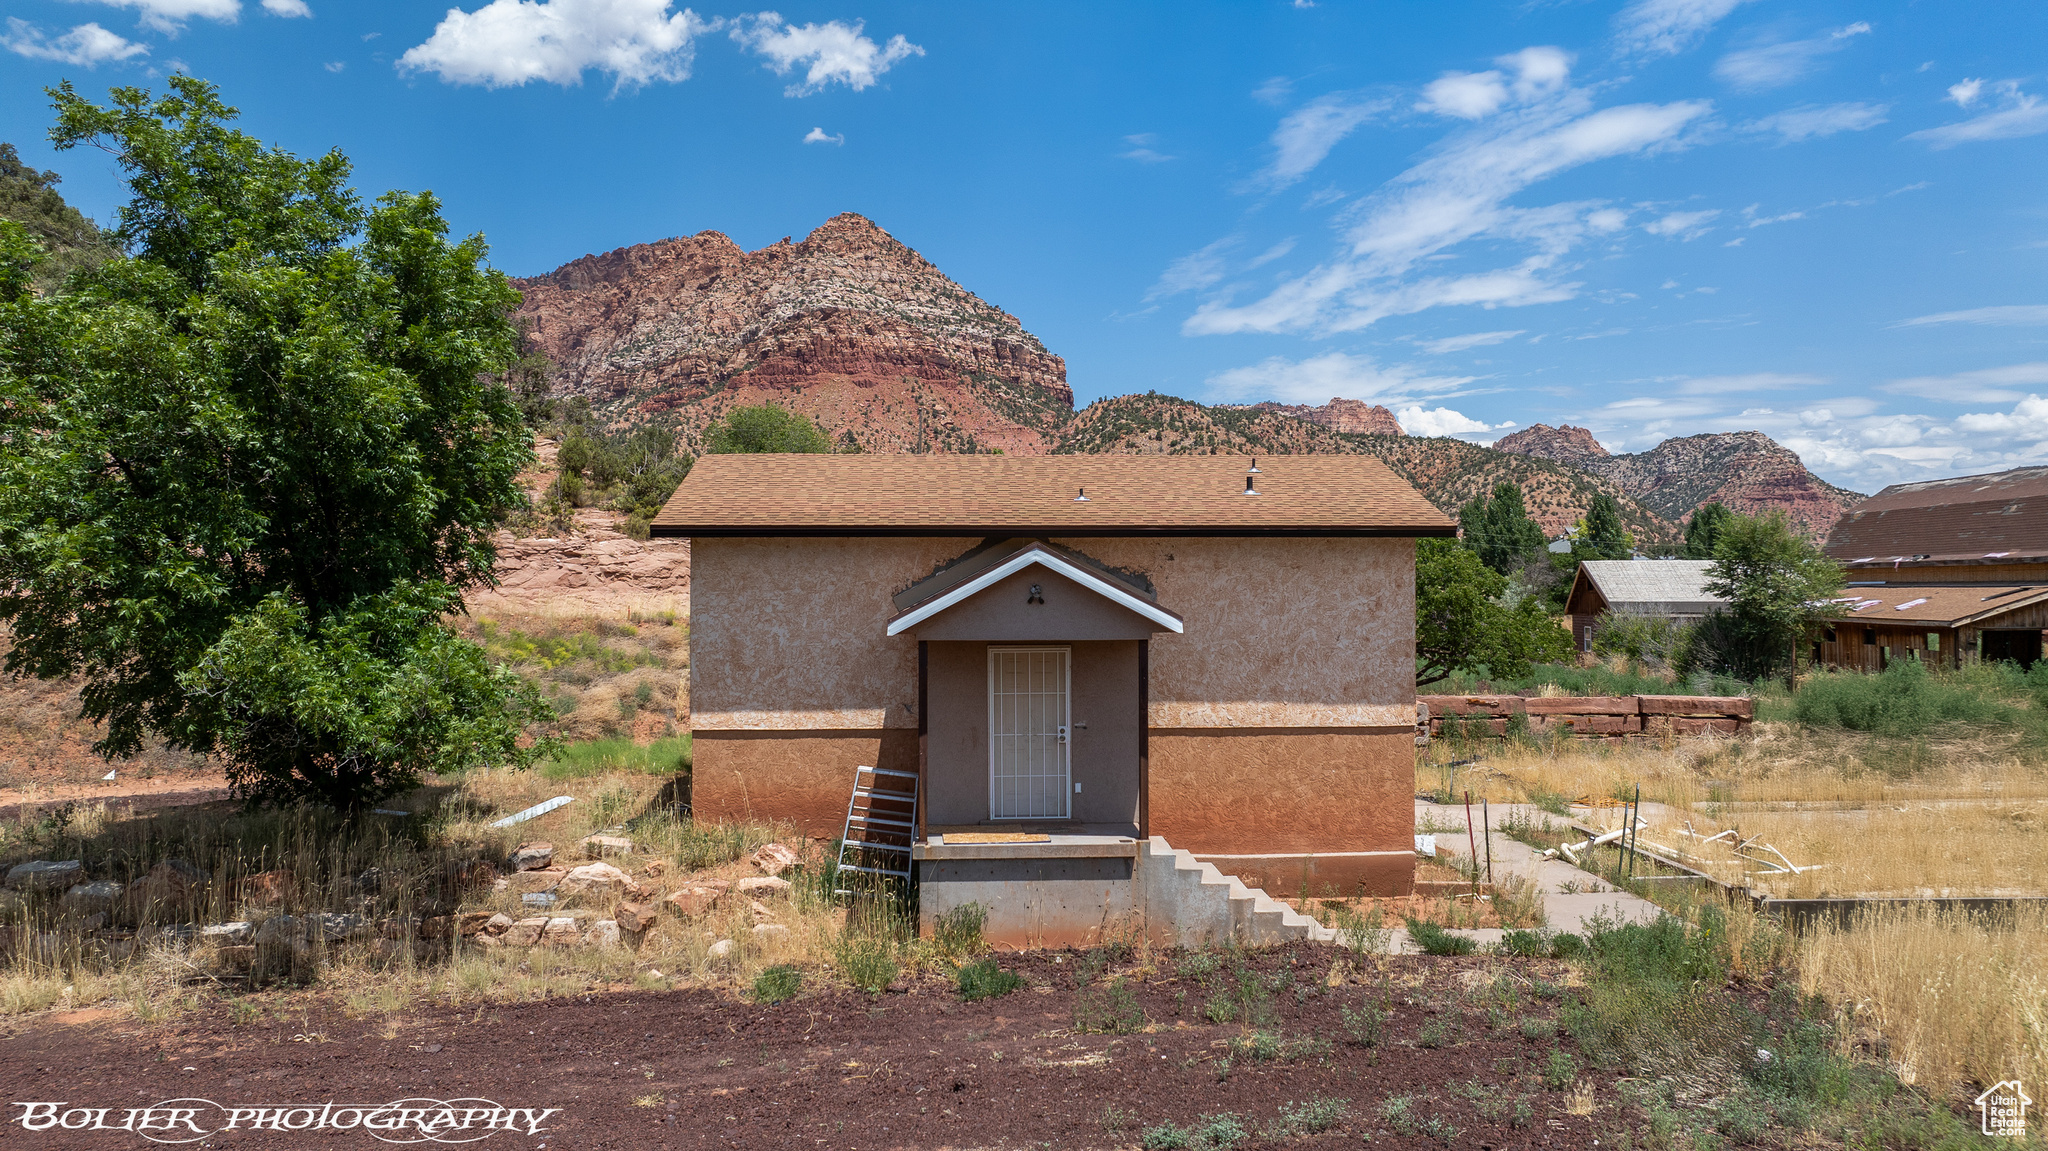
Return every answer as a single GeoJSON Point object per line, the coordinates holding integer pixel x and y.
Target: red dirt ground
{"type": "Point", "coordinates": [837, 1069]}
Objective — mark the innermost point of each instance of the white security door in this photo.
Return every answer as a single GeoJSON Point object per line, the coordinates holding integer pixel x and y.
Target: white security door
{"type": "Point", "coordinates": [1027, 726]}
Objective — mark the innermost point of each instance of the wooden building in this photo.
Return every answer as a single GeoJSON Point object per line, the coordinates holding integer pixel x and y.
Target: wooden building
{"type": "Point", "coordinates": [1944, 571]}
{"type": "Point", "coordinates": [1655, 589]}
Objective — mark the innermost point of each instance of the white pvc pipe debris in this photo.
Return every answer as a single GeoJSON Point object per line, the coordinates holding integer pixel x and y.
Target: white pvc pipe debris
{"type": "Point", "coordinates": [537, 809]}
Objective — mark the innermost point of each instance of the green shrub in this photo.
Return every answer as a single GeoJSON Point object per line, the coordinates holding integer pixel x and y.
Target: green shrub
{"type": "Point", "coordinates": [1316, 1115]}
{"type": "Point", "coordinates": [1524, 944]}
{"type": "Point", "coordinates": [1110, 1008]}
{"type": "Point", "coordinates": [958, 932]}
{"type": "Point", "coordinates": [777, 984]}
{"type": "Point", "coordinates": [1903, 700]}
{"type": "Point", "coordinates": [1197, 965]}
{"type": "Point", "coordinates": [985, 980]}
{"type": "Point", "coordinates": [1441, 1031]}
{"type": "Point", "coordinates": [867, 961]}
{"type": "Point", "coordinates": [1364, 1026]}
{"type": "Point", "coordinates": [1560, 1070]}
{"type": "Point", "coordinates": [1435, 940]}
{"type": "Point", "coordinates": [1220, 1131]}
{"type": "Point", "coordinates": [1535, 1028]}
{"type": "Point", "coordinates": [1165, 1137]}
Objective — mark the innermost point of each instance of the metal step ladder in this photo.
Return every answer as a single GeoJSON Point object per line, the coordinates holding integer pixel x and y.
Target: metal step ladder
{"type": "Point", "coordinates": [881, 824]}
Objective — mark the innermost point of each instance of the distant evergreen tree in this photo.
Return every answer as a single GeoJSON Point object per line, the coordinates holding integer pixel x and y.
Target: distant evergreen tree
{"type": "Point", "coordinates": [1500, 530]}
{"type": "Point", "coordinates": [1605, 537]}
{"type": "Point", "coordinates": [1704, 529]}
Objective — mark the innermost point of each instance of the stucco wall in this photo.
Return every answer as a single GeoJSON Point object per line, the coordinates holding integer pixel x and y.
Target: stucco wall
{"type": "Point", "coordinates": [1281, 721]}
{"type": "Point", "coordinates": [796, 777]}
{"type": "Point", "coordinates": [1105, 752]}
{"type": "Point", "coordinates": [1003, 611]}
{"type": "Point", "coordinates": [1279, 632]}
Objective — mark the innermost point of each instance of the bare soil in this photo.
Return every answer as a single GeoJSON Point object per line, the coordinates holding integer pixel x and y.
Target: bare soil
{"type": "Point", "coordinates": [918, 1068]}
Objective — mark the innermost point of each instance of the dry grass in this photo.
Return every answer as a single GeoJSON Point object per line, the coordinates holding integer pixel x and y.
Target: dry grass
{"type": "Point", "coordinates": [1943, 997]}
{"type": "Point", "coordinates": [609, 678]}
{"type": "Point", "coordinates": [1972, 822]}
{"type": "Point", "coordinates": [426, 865]}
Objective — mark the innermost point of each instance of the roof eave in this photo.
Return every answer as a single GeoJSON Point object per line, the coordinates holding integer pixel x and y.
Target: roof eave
{"type": "Point", "coordinates": [702, 531]}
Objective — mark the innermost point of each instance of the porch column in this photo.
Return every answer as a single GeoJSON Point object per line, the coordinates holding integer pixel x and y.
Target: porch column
{"type": "Point", "coordinates": [924, 662]}
{"type": "Point", "coordinates": [1144, 739]}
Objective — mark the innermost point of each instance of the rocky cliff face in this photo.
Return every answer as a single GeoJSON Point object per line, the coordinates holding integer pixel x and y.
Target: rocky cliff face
{"type": "Point", "coordinates": [1564, 443]}
{"type": "Point", "coordinates": [1747, 471]}
{"type": "Point", "coordinates": [848, 326]}
{"type": "Point", "coordinates": [1341, 415]}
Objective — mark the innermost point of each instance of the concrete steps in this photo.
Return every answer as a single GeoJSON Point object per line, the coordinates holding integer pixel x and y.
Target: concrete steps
{"type": "Point", "coordinates": [1206, 907]}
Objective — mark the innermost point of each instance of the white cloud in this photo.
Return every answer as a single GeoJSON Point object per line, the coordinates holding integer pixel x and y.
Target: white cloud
{"type": "Point", "coordinates": [169, 16]}
{"type": "Point", "coordinates": [1983, 386]}
{"type": "Point", "coordinates": [1684, 225]}
{"type": "Point", "coordinates": [1668, 27]}
{"type": "Point", "coordinates": [1419, 421]}
{"type": "Point", "coordinates": [818, 136]}
{"type": "Point", "coordinates": [1607, 220]}
{"type": "Point", "coordinates": [2022, 115]}
{"type": "Point", "coordinates": [1538, 72]}
{"type": "Point", "coordinates": [1274, 92]}
{"type": "Point", "coordinates": [1467, 95]}
{"type": "Point", "coordinates": [288, 8]}
{"type": "Point", "coordinates": [1316, 380]}
{"type": "Point", "coordinates": [832, 51]}
{"type": "Point", "coordinates": [336, 65]}
{"type": "Point", "coordinates": [1809, 121]}
{"type": "Point", "coordinates": [2028, 421]}
{"type": "Point", "coordinates": [1271, 254]}
{"type": "Point", "coordinates": [1307, 134]}
{"type": "Point", "coordinates": [1776, 65]}
{"type": "Point", "coordinates": [1450, 345]}
{"type": "Point", "coordinates": [1202, 268]}
{"type": "Point", "coordinates": [2003, 315]}
{"type": "Point", "coordinates": [84, 46]}
{"type": "Point", "coordinates": [1461, 193]}
{"type": "Point", "coordinates": [1142, 151]}
{"type": "Point", "coordinates": [1965, 92]}
{"type": "Point", "coordinates": [507, 43]}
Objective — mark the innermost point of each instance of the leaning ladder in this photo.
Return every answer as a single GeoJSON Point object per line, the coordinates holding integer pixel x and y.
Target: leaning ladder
{"type": "Point", "coordinates": [881, 824]}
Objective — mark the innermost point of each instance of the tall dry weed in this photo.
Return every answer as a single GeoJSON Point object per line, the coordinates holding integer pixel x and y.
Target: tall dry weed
{"type": "Point", "coordinates": [1946, 997]}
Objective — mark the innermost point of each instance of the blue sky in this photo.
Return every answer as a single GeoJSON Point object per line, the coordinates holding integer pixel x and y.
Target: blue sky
{"type": "Point", "coordinates": [1824, 221]}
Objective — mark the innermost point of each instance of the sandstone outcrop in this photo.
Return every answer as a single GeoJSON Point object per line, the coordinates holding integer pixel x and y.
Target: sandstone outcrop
{"type": "Point", "coordinates": [849, 326]}
{"type": "Point", "coordinates": [1341, 415]}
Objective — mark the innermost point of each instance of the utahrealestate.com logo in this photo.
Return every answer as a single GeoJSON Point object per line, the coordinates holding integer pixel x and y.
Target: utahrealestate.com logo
{"type": "Point", "coordinates": [2005, 1109]}
{"type": "Point", "coordinates": [400, 1121]}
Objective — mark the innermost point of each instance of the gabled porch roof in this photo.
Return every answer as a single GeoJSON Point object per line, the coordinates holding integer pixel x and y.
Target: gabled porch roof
{"type": "Point", "coordinates": [994, 562]}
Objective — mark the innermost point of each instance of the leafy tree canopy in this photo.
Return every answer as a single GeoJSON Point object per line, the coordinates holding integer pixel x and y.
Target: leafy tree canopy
{"type": "Point", "coordinates": [1466, 618]}
{"type": "Point", "coordinates": [69, 241]}
{"type": "Point", "coordinates": [1602, 534]}
{"type": "Point", "coordinates": [765, 428]}
{"type": "Point", "coordinates": [1703, 530]}
{"type": "Point", "coordinates": [248, 467]}
{"type": "Point", "coordinates": [1779, 587]}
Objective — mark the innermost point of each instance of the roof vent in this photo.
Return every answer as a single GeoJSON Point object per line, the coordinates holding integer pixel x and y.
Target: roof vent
{"type": "Point", "coordinates": [1255, 466]}
{"type": "Point", "coordinates": [1082, 498]}
{"type": "Point", "coordinates": [1248, 488]}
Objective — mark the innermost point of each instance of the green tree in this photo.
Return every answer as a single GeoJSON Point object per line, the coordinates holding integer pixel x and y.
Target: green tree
{"type": "Point", "coordinates": [632, 472]}
{"type": "Point", "coordinates": [1500, 530]}
{"type": "Point", "coordinates": [247, 468]}
{"type": "Point", "coordinates": [1602, 535]}
{"type": "Point", "coordinates": [1779, 588]}
{"type": "Point", "coordinates": [69, 241]}
{"type": "Point", "coordinates": [1467, 617]}
{"type": "Point", "coordinates": [764, 428]}
{"type": "Point", "coordinates": [1703, 530]}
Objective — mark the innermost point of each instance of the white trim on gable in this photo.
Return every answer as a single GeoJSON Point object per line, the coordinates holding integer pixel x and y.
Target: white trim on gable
{"type": "Point", "coordinates": [1019, 562]}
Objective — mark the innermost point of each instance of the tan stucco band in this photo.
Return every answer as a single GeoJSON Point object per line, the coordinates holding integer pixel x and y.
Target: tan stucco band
{"type": "Point", "coordinates": [839, 719]}
{"type": "Point", "coordinates": [1270, 714]}
{"type": "Point", "coordinates": [1321, 876]}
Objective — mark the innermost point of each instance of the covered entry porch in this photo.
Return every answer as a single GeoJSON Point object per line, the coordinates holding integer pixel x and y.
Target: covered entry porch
{"type": "Point", "coordinates": [1033, 663]}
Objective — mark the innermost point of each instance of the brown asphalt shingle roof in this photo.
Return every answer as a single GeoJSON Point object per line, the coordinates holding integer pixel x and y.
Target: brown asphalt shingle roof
{"type": "Point", "coordinates": [2001, 518]}
{"type": "Point", "coordinates": [729, 495]}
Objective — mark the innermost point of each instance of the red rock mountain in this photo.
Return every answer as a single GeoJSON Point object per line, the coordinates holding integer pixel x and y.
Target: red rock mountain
{"type": "Point", "coordinates": [856, 330]}
{"type": "Point", "coordinates": [1341, 415]}
{"type": "Point", "coordinates": [849, 326]}
{"type": "Point", "coordinates": [1747, 471]}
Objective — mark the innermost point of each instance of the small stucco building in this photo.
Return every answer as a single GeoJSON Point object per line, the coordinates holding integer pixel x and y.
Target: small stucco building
{"type": "Point", "coordinates": [1214, 650]}
{"type": "Point", "coordinates": [1656, 589]}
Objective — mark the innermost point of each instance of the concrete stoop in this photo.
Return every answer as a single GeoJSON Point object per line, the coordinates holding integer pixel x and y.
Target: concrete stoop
{"type": "Point", "coordinates": [1197, 905]}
